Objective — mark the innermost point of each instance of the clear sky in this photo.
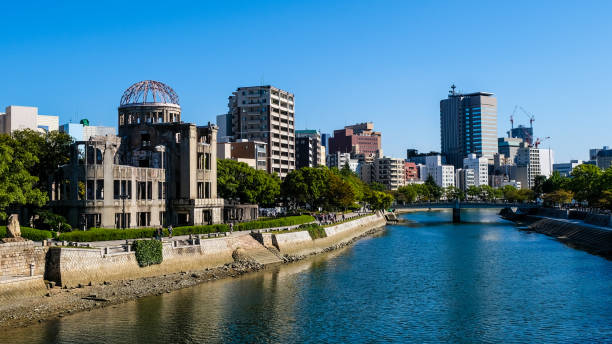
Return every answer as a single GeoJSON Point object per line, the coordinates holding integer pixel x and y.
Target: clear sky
{"type": "Point", "coordinates": [346, 61]}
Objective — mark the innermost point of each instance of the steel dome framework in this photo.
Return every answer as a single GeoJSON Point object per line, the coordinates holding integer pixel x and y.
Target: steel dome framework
{"type": "Point", "coordinates": [149, 91]}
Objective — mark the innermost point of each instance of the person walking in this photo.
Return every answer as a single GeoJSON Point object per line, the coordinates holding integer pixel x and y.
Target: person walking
{"type": "Point", "coordinates": [231, 227]}
{"type": "Point", "coordinates": [170, 231]}
{"type": "Point", "coordinates": [159, 233]}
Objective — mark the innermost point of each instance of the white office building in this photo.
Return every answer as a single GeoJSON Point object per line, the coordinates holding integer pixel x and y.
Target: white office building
{"type": "Point", "coordinates": [480, 166]}
{"type": "Point", "coordinates": [444, 175]}
{"type": "Point", "coordinates": [26, 117]}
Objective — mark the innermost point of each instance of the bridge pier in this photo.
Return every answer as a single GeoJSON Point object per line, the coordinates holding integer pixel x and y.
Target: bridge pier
{"type": "Point", "coordinates": [456, 215]}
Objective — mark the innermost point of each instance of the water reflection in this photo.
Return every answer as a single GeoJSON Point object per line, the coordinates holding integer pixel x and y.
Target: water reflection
{"type": "Point", "coordinates": [428, 281]}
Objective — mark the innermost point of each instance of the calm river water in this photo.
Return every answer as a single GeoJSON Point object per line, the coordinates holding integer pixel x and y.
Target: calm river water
{"type": "Point", "coordinates": [427, 281]}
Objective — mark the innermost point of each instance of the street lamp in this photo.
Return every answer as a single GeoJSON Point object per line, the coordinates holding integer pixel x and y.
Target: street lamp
{"type": "Point", "coordinates": [123, 196]}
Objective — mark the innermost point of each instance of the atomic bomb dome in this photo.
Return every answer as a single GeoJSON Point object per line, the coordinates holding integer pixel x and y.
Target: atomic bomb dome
{"type": "Point", "coordinates": [148, 102]}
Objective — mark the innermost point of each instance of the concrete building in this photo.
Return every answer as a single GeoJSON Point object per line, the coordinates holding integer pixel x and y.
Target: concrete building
{"type": "Point", "coordinates": [480, 166]}
{"type": "Point", "coordinates": [566, 168]}
{"type": "Point", "coordinates": [264, 114]}
{"type": "Point", "coordinates": [464, 178]}
{"type": "Point", "coordinates": [82, 132]}
{"type": "Point", "coordinates": [509, 146]}
{"type": "Point", "coordinates": [547, 160]}
{"type": "Point", "coordinates": [308, 151]}
{"type": "Point", "coordinates": [443, 175]}
{"type": "Point", "coordinates": [389, 172]}
{"type": "Point", "coordinates": [527, 166]}
{"type": "Point", "coordinates": [468, 124]}
{"type": "Point", "coordinates": [594, 151]}
{"type": "Point", "coordinates": [339, 160]}
{"type": "Point", "coordinates": [411, 171]}
{"type": "Point", "coordinates": [253, 153]}
{"type": "Point", "coordinates": [523, 133]}
{"type": "Point", "coordinates": [356, 139]}
{"type": "Point", "coordinates": [158, 171]}
{"type": "Point", "coordinates": [323, 157]}
{"type": "Point", "coordinates": [413, 155]}
{"type": "Point", "coordinates": [26, 117]}
{"type": "Point", "coordinates": [604, 158]}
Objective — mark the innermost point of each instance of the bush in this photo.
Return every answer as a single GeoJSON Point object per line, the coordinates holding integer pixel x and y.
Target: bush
{"type": "Point", "coordinates": [184, 230]}
{"type": "Point", "coordinates": [30, 233]}
{"type": "Point", "coordinates": [272, 223]}
{"type": "Point", "coordinates": [103, 234]}
{"type": "Point", "coordinates": [315, 231]}
{"type": "Point", "coordinates": [148, 252]}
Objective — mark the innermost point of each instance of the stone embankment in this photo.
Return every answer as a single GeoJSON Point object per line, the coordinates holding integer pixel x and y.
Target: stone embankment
{"type": "Point", "coordinates": [589, 232]}
{"type": "Point", "coordinates": [84, 278]}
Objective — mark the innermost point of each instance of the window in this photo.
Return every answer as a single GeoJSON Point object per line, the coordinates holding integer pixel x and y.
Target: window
{"type": "Point", "coordinates": [200, 190]}
{"type": "Point", "coordinates": [100, 189]}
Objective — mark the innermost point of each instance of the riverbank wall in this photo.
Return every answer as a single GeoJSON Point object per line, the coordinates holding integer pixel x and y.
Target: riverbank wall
{"type": "Point", "coordinates": [562, 225]}
{"type": "Point", "coordinates": [73, 266]}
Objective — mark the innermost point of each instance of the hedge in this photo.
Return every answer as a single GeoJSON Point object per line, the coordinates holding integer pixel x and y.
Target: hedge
{"type": "Point", "coordinates": [103, 234]}
{"type": "Point", "coordinates": [148, 252]}
{"type": "Point", "coordinates": [272, 223]}
{"type": "Point", "coordinates": [184, 230]}
{"type": "Point", "coordinates": [315, 231]}
{"type": "Point", "coordinates": [30, 233]}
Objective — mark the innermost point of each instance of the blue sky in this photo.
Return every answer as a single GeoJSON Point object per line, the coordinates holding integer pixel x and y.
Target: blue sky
{"type": "Point", "coordinates": [346, 61]}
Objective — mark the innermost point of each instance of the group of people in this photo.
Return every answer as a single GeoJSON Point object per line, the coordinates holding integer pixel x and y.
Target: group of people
{"type": "Point", "coordinates": [159, 233]}
{"type": "Point", "coordinates": [325, 219]}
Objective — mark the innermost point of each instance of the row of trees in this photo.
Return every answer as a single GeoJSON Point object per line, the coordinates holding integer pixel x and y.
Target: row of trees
{"type": "Point", "coordinates": [308, 187]}
{"type": "Point", "coordinates": [430, 191]}
{"type": "Point", "coordinates": [27, 161]}
{"type": "Point", "coordinates": [588, 184]}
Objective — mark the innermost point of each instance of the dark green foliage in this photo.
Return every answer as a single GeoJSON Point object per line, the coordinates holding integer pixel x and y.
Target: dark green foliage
{"type": "Point", "coordinates": [236, 180]}
{"type": "Point", "coordinates": [272, 223]}
{"type": "Point", "coordinates": [184, 230]}
{"type": "Point", "coordinates": [49, 220]}
{"type": "Point", "coordinates": [30, 233]}
{"type": "Point", "coordinates": [148, 252]}
{"type": "Point", "coordinates": [315, 231]}
{"type": "Point", "coordinates": [103, 234]}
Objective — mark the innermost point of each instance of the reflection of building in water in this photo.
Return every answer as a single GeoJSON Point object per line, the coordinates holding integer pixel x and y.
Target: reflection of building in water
{"type": "Point", "coordinates": [158, 171]}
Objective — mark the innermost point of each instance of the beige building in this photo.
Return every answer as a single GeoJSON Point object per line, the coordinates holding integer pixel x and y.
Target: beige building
{"type": "Point", "coordinates": [389, 172]}
{"type": "Point", "coordinates": [26, 117]}
{"type": "Point", "coordinates": [253, 153]}
{"type": "Point", "coordinates": [158, 171]}
{"type": "Point", "coordinates": [264, 114]}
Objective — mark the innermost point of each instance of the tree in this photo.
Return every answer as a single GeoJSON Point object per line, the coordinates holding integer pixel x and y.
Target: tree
{"type": "Point", "coordinates": [452, 193]}
{"type": "Point", "coordinates": [559, 197]}
{"type": "Point", "coordinates": [538, 185]}
{"type": "Point", "coordinates": [377, 186]}
{"type": "Point", "coordinates": [236, 180]}
{"type": "Point", "coordinates": [379, 200]}
{"type": "Point", "coordinates": [555, 182]}
{"type": "Point", "coordinates": [340, 193]}
{"type": "Point", "coordinates": [474, 192]}
{"type": "Point", "coordinates": [17, 185]}
{"type": "Point", "coordinates": [486, 193]}
{"type": "Point", "coordinates": [585, 183]}
{"type": "Point", "coordinates": [407, 193]}
{"type": "Point", "coordinates": [606, 199]}
{"type": "Point", "coordinates": [435, 191]}
{"type": "Point", "coordinates": [307, 186]}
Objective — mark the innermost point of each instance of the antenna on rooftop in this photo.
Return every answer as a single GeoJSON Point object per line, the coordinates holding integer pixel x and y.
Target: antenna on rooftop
{"type": "Point", "coordinates": [452, 91]}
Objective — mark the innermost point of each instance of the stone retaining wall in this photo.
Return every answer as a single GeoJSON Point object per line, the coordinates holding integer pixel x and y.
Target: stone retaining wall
{"type": "Point", "coordinates": [16, 257]}
{"type": "Point", "coordinates": [598, 220]}
{"type": "Point", "coordinates": [301, 244]}
{"type": "Point", "coordinates": [73, 266]}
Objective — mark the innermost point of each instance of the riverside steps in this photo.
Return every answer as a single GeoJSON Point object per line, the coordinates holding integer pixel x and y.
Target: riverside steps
{"type": "Point", "coordinates": [588, 232]}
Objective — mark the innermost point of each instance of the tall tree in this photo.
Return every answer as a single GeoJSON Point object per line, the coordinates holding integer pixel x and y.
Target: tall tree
{"type": "Point", "coordinates": [585, 183]}
{"type": "Point", "coordinates": [237, 180]}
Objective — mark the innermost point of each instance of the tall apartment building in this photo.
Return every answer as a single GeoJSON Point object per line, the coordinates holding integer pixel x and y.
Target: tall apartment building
{"type": "Point", "coordinates": [26, 117]}
{"type": "Point", "coordinates": [266, 114]}
{"type": "Point", "coordinates": [356, 139]}
{"type": "Point", "coordinates": [339, 160]}
{"type": "Point", "coordinates": [468, 124]}
{"type": "Point", "coordinates": [389, 172]}
{"type": "Point", "coordinates": [480, 166]}
{"type": "Point", "coordinates": [464, 178]}
{"type": "Point", "coordinates": [308, 149]}
{"type": "Point", "coordinates": [527, 166]}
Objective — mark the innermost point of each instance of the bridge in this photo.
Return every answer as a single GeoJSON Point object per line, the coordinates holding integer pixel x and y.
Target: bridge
{"type": "Point", "coordinates": [457, 206]}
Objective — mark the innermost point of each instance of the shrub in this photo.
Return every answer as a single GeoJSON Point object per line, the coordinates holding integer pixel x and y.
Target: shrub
{"type": "Point", "coordinates": [184, 230]}
{"type": "Point", "coordinates": [315, 231]}
{"type": "Point", "coordinates": [30, 233]}
{"type": "Point", "coordinates": [148, 252]}
{"type": "Point", "coordinates": [103, 234]}
{"type": "Point", "coordinates": [272, 223]}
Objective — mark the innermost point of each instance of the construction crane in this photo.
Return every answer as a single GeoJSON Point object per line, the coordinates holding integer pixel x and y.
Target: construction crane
{"type": "Point", "coordinates": [539, 141]}
{"type": "Point", "coordinates": [531, 117]}
{"type": "Point", "coordinates": [512, 116]}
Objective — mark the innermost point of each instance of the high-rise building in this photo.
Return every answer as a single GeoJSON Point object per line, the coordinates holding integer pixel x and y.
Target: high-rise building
{"type": "Point", "coordinates": [356, 139]}
{"type": "Point", "coordinates": [26, 117]}
{"type": "Point", "coordinates": [547, 160]}
{"type": "Point", "coordinates": [604, 158]}
{"type": "Point", "coordinates": [443, 175]}
{"type": "Point", "coordinates": [468, 124]}
{"type": "Point", "coordinates": [527, 165]}
{"type": "Point", "coordinates": [307, 148]}
{"type": "Point", "coordinates": [480, 166]}
{"type": "Point", "coordinates": [265, 114]}
{"type": "Point", "coordinates": [464, 178]}
{"type": "Point", "coordinates": [509, 146]}
{"type": "Point", "coordinates": [522, 132]}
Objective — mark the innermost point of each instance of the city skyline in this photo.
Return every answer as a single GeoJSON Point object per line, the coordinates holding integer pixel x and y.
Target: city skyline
{"type": "Point", "coordinates": [360, 52]}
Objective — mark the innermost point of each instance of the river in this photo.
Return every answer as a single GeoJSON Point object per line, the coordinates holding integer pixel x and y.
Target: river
{"type": "Point", "coordinates": [425, 281]}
